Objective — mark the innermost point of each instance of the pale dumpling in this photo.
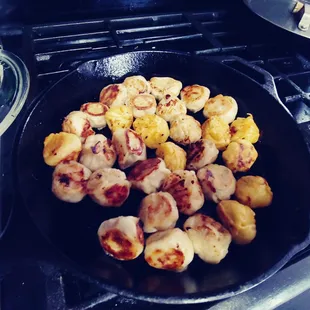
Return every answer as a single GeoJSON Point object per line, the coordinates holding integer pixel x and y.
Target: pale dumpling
{"type": "Point", "coordinates": [161, 86]}
{"type": "Point", "coordinates": [210, 239]}
{"type": "Point", "coordinates": [98, 152]}
{"type": "Point", "coordinates": [143, 104]}
{"type": "Point", "coordinates": [184, 129]}
{"type": "Point", "coordinates": [217, 181]}
{"type": "Point", "coordinates": [129, 146]}
{"type": "Point", "coordinates": [158, 211]}
{"type": "Point", "coordinates": [136, 85]}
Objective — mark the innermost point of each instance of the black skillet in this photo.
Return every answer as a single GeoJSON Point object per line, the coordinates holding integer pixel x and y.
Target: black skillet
{"type": "Point", "coordinates": [283, 228]}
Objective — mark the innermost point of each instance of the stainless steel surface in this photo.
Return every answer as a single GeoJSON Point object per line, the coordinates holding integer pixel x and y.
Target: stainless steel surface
{"type": "Point", "coordinates": [282, 287]}
{"type": "Point", "coordinates": [280, 13]}
{"type": "Point", "coordinates": [304, 22]}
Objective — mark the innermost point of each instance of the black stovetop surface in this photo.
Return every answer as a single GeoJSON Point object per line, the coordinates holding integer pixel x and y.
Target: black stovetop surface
{"type": "Point", "coordinates": [29, 280]}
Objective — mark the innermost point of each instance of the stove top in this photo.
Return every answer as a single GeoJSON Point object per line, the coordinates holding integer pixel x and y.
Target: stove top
{"type": "Point", "coordinates": [50, 51]}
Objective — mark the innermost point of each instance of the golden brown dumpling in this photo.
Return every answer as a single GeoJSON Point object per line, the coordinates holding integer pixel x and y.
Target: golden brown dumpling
{"type": "Point", "coordinates": [61, 146]}
{"type": "Point", "coordinates": [216, 130]}
{"type": "Point", "coordinates": [253, 191]}
{"type": "Point", "coordinates": [238, 219]}
{"type": "Point", "coordinates": [240, 156]}
{"type": "Point", "coordinates": [153, 129]}
{"type": "Point", "coordinates": [119, 117]}
{"type": "Point", "coordinates": [173, 156]}
{"type": "Point", "coordinates": [244, 128]}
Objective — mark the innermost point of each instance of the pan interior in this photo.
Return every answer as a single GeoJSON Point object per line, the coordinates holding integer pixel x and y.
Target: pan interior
{"type": "Point", "coordinates": [72, 228]}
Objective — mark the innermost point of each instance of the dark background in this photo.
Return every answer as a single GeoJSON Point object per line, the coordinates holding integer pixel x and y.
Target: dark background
{"type": "Point", "coordinates": [39, 11]}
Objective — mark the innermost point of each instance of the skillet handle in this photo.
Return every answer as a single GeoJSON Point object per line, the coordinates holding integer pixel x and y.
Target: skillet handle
{"type": "Point", "coordinates": [254, 72]}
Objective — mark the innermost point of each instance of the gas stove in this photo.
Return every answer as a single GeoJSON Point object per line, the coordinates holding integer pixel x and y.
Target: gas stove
{"type": "Point", "coordinates": [50, 51]}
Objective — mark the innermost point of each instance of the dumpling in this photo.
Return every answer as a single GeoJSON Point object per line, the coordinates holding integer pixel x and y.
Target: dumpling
{"type": "Point", "coordinates": [184, 129]}
{"type": "Point", "coordinates": [114, 95]}
{"type": "Point", "coordinates": [69, 181]}
{"type": "Point", "coordinates": [240, 156]}
{"type": "Point", "coordinates": [169, 107]}
{"type": "Point", "coordinates": [143, 104]}
{"type": "Point", "coordinates": [153, 129]}
{"type": "Point", "coordinates": [210, 239]}
{"type": "Point", "coordinates": [253, 191]}
{"type": "Point", "coordinates": [136, 85]}
{"type": "Point", "coordinates": [108, 187]}
{"type": "Point", "coordinates": [95, 113]}
{"type": "Point", "coordinates": [129, 146]}
{"type": "Point", "coordinates": [148, 175]}
{"type": "Point", "coordinates": [184, 187]}
{"type": "Point", "coordinates": [121, 237]}
{"type": "Point", "coordinates": [169, 250]}
{"type": "Point", "coordinates": [238, 219]}
{"type": "Point", "coordinates": [161, 86]}
{"type": "Point", "coordinates": [98, 152]}
{"type": "Point", "coordinates": [77, 123]}
{"type": "Point", "coordinates": [119, 117]}
{"type": "Point", "coordinates": [61, 146]}
{"type": "Point", "coordinates": [216, 130]}
{"type": "Point", "coordinates": [200, 154]}
{"type": "Point", "coordinates": [244, 128]}
{"type": "Point", "coordinates": [195, 97]}
{"type": "Point", "coordinates": [158, 211]}
{"type": "Point", "coordinates": [173, 155]}
{"type": "Point", "coordinates": [224, 107]}
{"type": "Point", "coordinates": [218, 182]}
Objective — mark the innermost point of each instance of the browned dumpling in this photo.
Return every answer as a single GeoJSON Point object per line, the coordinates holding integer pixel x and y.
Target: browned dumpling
{"type": "Point", "coordinates": [217, 181]}
{"type": "Point", "coordinates": [61, 146]}
{"type": "Point", "coordinates": [114, 95]}
{"type": "Point", "coordinates": [169, 107]}
{"type": "Point", "coordinates": [143, 104]}
{"type": "Point", "coordinates": [77, 123]}
{"type": "Point", "coordinates": [195, 97]}
{"type": "Point", "coordinates": [129, 146]}
{"type": "Point", "coordinates": [183, 185]}
{"type": "Point", "coordinates": [108, 187]}
{"type": "Point", "coordinates": [210, 239]}
{"type": "Point", "coordinates": [121, 237]}
{"type": "Point", "coordinates": [239, 219]}
{"type": "Point", "coordinates": [201, 153]}
{"type": "Point", "coordinates": [95, 113]}
{"type": "Point", "coordinates": [240, 156]}
{"type": "Point", "coordinates": [253, 191]}
{"type": "Point", "coordinates": [148, 175]}
{"type": "Point", "coordinates": [170, 250]}
{"type": "Point", "coordinates": [69, 181]}
{"type": "Point", "coordinates": [98, 152]}
{"type": "Point", "coordinates": [158, 211]}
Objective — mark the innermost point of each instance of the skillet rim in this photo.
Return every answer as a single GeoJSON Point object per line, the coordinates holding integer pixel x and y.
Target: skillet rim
{"type": "Point", "coordinates": [186, 298]}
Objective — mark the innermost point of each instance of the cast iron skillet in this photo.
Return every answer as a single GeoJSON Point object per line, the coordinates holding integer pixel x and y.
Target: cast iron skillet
{"type": "Point", "coordinates": [283, 228]}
